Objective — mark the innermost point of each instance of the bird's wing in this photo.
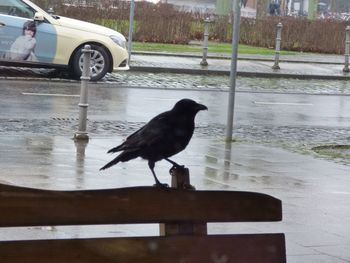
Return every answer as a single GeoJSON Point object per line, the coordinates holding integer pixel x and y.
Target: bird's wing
{"type": "Point", "coordinates": [150, 134]}
{"type": "Point", "coordinates": [147, 135]}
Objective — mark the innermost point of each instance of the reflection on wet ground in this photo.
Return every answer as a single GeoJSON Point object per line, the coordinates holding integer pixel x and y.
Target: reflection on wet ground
{"type": "Point", "coordinates": [299, 139]}
{"type": "Point", "coordinates": [314, 191]}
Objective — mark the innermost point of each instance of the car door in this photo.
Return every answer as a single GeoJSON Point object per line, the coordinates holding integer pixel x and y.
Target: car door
{"type": "Point", "coordinates": [23, 40]}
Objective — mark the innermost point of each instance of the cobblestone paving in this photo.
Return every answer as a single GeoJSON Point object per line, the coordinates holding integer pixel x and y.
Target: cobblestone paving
{"type": "Point", "coordinates": [221, 83]}
{"type": "Point", "coordinates": [196, 82]}
{"type": "Point", "coordinates": [296, 138]}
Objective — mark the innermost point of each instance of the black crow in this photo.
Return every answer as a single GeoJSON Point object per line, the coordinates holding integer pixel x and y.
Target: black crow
{"type": "Point", "coordinates": [163, 136]}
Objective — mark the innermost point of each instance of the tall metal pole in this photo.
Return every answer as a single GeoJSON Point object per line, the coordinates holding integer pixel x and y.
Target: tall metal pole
{"type": "Point", "coordinates": [347, 50]}
{"type": "Point", "coordinates": [131, 24]}
{"type": "Point", "coordinates": [233, 73]}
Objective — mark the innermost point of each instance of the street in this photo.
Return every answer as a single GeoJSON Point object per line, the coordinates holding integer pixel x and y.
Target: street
{"type": "Point", "coordinates": [111, 101]}
{"type": "Point", "coordinates": [270, 112]}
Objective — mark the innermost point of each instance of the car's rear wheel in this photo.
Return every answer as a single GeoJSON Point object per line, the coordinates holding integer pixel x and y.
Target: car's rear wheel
{"type": "Point", "coordinates": [99, 64]}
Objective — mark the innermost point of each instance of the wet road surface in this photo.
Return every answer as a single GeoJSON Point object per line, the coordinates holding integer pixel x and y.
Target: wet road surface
{"type": "Point", "coordinates": [266, 115]}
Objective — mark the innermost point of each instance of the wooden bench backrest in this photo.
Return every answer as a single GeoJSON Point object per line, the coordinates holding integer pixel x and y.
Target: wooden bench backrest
{"type": "Point", "coordinates": [21, 206]}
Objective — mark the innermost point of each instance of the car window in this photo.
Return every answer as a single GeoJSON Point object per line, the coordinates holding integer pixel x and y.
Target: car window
{"type": "Point", "coordinates": [16, 8]}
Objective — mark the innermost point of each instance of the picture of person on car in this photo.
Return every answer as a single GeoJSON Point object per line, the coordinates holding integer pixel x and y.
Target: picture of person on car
{"type": "Point", "coordinates": [24, 45]}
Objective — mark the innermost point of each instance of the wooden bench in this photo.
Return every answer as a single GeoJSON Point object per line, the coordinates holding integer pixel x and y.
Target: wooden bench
{"type": "Point", "coordinates": [183, 215]}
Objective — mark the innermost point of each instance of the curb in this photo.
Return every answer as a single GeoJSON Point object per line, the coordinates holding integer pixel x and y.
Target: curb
{"type": "Point", "coordinates": [239, 73]}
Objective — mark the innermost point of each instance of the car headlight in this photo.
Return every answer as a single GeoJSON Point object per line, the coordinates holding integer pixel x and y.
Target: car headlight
{"type": "Point", "coordinates": [120, 41]}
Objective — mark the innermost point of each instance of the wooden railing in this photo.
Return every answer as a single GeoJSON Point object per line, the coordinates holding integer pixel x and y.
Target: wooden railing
{"type": "Point", "coordinates": [183, 215]}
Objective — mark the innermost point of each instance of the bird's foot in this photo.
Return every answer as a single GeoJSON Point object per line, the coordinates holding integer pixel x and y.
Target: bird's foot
{"type": "Point", "coordinates": [162, 186]}
{"type": "Point", "coordinates": [176, 167]}
{"type": "Point", "coordinates": [180, 177]}
{"type": "Point", "coordinates": [188, 187]}
{"type": "Point", "coordinates": [174, 163]}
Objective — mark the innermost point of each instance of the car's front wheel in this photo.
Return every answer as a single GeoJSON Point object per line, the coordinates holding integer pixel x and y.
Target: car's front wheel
{"type": "Point", "coordinates": [99, 63]}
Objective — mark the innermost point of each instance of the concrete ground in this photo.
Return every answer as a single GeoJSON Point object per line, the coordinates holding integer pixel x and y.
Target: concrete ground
{"type": "Point", "coordinates": [314, 192]}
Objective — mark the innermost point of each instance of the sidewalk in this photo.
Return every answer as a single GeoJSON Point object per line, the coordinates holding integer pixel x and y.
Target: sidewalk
{"type": "Point", "coordinates": [301, 66]}
{"type": "Point", "coordinates": [298, 66]}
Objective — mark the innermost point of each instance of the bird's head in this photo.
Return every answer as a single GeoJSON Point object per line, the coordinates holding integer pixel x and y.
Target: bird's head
{"type": "Point", "coordinates": [189, 106]}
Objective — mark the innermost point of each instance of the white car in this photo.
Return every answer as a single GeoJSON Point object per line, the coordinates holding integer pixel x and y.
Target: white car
{"type": "Point", "coordinates": [31, 37]}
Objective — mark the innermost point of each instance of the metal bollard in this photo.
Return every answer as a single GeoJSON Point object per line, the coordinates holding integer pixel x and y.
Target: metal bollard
{"type": "Point", "coordinates": [82, 134]}
{"type": "Point", "coordinates": [205, 43]}
{"type": "Point", "coordinates": [347, 50]}
{"type": "Point", "coordinates": [278, 46]}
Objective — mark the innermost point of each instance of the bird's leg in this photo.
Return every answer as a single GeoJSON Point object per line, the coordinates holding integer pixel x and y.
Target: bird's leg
{"type": "Point", "coordinates": [173, 163]}
{"type": "Point", "coordinates": [180, 177]}
{"type": "Point", "coordinates": [158, 183]}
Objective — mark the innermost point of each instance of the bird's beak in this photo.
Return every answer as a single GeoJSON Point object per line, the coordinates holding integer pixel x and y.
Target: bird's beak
{"type": "Point", "coordinates": [201, 107]}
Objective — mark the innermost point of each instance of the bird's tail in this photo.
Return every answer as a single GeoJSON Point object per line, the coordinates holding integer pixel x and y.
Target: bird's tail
{"type": "Point", "coordinates": [111, 163]}
{"type": "Point", "coordinates": [115, 160]}
{"type": "Point", "coordinates": [116, 149]}
{"type": "Point", "coordinates": [123, 157]}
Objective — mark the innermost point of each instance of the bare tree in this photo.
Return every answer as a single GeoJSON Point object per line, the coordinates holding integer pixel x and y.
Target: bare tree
{"type": "Point", "coordinates": [261, 9]}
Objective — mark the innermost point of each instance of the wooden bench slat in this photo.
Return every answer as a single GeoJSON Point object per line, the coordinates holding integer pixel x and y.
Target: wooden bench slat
{"type": "Point", "coordinates": [21, 206]}
{"type": "Point", "coordinates": [251, 248]}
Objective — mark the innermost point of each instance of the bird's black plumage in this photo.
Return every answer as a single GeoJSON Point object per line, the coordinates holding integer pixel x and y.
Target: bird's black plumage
{"type": "Point", "coordinates": [162, 137]}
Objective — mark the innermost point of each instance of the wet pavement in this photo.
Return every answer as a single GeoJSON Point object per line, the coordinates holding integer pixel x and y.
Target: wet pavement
{"type": "Point", "coordinates": [314, 192]}
{"type": "Point", "coordinates": [277, 122]}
